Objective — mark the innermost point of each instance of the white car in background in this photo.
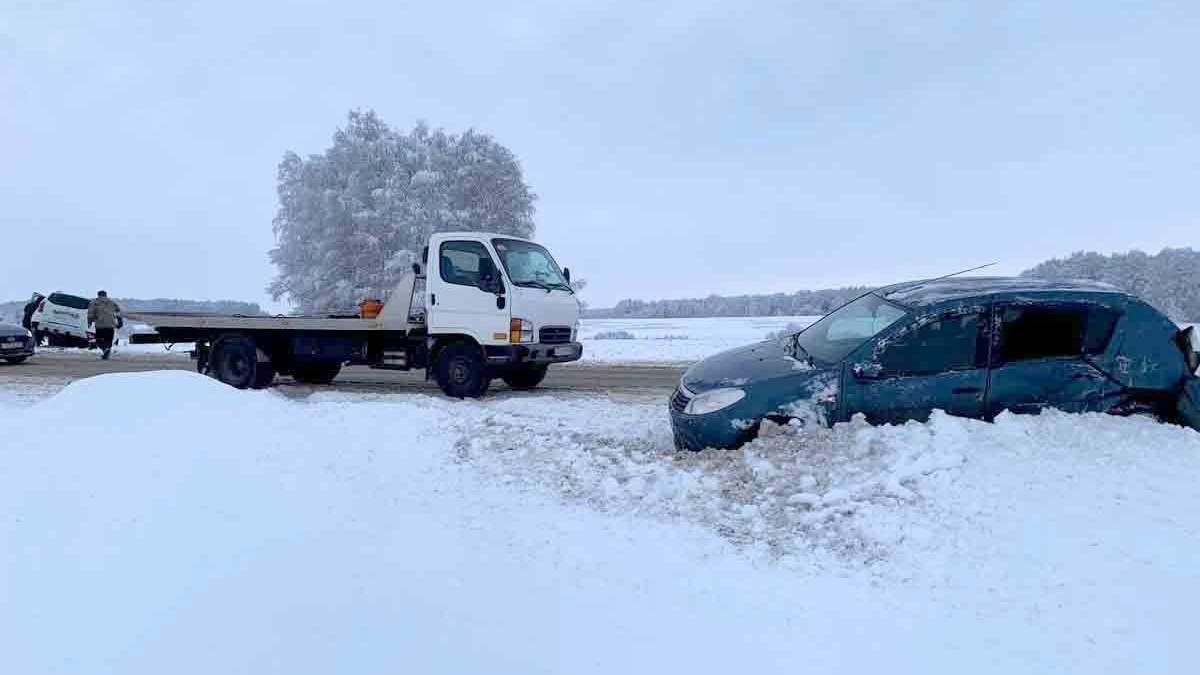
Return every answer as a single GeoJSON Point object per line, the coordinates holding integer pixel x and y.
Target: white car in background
{"type": "Point", "coordinates": [62, 320]}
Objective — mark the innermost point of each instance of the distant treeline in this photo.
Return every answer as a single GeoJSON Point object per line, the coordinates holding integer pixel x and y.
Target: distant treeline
{"type": "Point", "coordinates": [1169, 280]}
{"type": "Point", "coordinates": [11, 311]}
{"type": "Point", "coordinates": [800, 303]}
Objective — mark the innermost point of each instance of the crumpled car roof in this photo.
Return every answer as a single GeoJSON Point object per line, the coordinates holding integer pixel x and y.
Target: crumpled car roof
{"type": "Point", "coordinates": [923, 293]}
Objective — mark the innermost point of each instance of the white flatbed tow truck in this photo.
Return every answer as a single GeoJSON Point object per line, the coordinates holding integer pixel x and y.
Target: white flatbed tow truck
{"type": "Point", "coordinates": [488, 306]}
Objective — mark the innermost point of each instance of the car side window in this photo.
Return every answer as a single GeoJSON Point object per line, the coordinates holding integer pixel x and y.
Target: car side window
{"type": "Point", "coordinates": [952, 342]}
{"type": "Point", "coordinates": [459, 262]}
{"type": "Point", "coordinates": [1100, 325]}
{"type": "Point", "coordinates": [1028, 332]}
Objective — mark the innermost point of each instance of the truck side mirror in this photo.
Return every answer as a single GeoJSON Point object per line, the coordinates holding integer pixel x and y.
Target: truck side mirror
{"type": "Point", "coordinates": [567, 274]}
{"type": "Point", "coordinates": [416, 268]}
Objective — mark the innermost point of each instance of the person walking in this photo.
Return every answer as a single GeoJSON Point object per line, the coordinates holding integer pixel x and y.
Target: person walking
{"type": "Point", "coordinates": [107, 316]}
{"type": "Point", "coordinates": [30, 309]}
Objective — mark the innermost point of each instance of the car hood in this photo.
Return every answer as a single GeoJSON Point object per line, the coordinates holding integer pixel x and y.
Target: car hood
{"type": "Point", "coordinates": [749, 365]}
{"type": "Point", "coordinates": [10, 330]}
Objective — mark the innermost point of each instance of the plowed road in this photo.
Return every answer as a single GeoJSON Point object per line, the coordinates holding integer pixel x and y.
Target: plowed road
{"type": "Point", "coordinates": [74, 365]}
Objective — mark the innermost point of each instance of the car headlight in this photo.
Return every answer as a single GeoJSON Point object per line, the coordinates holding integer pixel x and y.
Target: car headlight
{"type": "Point", "coordinates": [712, 401]}
{"type": "Point", "coordinates": [28, 333]}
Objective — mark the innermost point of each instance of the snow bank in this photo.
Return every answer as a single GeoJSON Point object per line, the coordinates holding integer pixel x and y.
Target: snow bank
{"type": "Point", "coordinates": [188, 527]}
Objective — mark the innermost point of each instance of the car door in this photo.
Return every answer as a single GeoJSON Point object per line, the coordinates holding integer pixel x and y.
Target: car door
{"type": "Point", "coordinates": [1041, 357]}
{"type": "Point", "coordinates": [935, 362]}
{"type": "Point", "coordinates": [456, 303]}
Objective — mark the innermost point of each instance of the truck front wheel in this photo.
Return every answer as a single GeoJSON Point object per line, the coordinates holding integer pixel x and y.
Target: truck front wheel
{"type": "Point", "coordinates": [234, 361]}
{"type": "Point", "coordinates": [525, 377]}
{"type": "Point", "coordinates": [460, 371]}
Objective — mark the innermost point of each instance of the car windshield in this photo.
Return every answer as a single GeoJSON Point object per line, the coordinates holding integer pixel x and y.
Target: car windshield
{"type": "Point", "coordinates": [840, 332]}
{"type": "Point", "coordinates": [528, 264]}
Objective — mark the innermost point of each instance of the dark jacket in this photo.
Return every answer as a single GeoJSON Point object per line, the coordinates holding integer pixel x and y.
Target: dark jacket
{"type": "Point", "coordinates": [105, 313]}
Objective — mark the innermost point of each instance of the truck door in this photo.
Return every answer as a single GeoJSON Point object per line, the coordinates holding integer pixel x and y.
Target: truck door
{"type": "Point", "coordinates": [937, 362]}
{"type": "Point", "coordinates": [456, 301]}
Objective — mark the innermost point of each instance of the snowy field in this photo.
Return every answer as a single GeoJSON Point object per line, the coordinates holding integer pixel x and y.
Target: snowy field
{"type": "Point", "coordinates": [639, 341]}
{"type": "Point", "coordinates": [675, 340]}
{"type": "Point", "coordinates": [189, 527]}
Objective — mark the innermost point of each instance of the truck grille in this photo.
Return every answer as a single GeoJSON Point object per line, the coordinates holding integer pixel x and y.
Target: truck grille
{"type": "Point", "coordinates": [554, 335]}
{"type": "Point", "coordinates": [680, 399]}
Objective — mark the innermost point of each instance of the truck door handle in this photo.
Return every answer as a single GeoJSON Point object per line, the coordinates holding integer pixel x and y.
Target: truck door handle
{"type": "Point", "coordinates": [433, 298]}
{"type": "Point", "coordinates": [967, 390]}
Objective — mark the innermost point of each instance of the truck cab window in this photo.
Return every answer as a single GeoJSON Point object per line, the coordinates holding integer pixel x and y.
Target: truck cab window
{"type": "Point", "coordinates": [948, 343]}
{"type": "Point", "coordinates": [459, 262]}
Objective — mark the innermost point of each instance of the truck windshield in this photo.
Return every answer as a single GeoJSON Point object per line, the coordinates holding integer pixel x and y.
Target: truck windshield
{"type": "Point", "coordinates": [831, 339]}
{"type": "Point", "coordinates": [528, 264]}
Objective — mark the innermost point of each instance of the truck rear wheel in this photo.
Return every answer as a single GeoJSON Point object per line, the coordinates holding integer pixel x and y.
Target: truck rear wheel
{"type": "Point", "coordinates": [234, 361]}
{"type": "Point", "coordinates": [316, 373]}
{"type": "Point", "coordinates": [525, 377]}
{"type": "Point", "coordinates": [460, 371]}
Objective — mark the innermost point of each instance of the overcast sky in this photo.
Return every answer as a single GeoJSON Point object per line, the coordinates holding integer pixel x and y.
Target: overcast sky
{"type": "Point", "coordinates": [678, 148]}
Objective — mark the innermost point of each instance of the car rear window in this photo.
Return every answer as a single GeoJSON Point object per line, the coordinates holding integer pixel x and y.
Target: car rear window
{"type": "Point", "coordinates": [1039, 332]}
{"type": "Point", "coordinates": [72, 301]}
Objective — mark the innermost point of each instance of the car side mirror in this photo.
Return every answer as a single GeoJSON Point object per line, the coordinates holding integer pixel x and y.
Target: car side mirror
{"type": "Point", "coordinates": [867, 371]}
{"type": "Point", "coordinates": [567, 274]}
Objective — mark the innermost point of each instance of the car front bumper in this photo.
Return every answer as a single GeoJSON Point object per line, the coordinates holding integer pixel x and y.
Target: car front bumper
{"type": "Point", "coordinates": [533, 354]}
{"type": "Point", "coordinates": [8, 350]}
{"type": "Point", "coordinates": [722, 429]}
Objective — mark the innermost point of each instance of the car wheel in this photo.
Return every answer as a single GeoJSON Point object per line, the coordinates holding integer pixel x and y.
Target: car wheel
{"type": "Point", "coordinates": [460, 371]}
{"type": "Point", "coordinates": [16, 359]}
{"type": "Point", "coordinates": [525, 378]}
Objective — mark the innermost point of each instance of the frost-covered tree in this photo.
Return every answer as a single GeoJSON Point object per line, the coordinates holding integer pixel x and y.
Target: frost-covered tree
{"type": "Point", "coordinates": [352, 219]}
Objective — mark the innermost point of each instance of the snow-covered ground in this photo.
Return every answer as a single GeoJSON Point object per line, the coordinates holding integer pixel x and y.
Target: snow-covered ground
{"type": "Point", "coordinates": [675, 340]}
{"type": "Point", "coordinates": [162, 522]}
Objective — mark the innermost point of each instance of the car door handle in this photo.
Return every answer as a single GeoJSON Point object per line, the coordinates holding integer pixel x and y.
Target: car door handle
{"type": "Point", "coordinates": [967, 390]}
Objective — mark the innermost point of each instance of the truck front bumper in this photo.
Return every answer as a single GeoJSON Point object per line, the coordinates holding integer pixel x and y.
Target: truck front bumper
{"type": "Point", "coordinates": [534, 354]}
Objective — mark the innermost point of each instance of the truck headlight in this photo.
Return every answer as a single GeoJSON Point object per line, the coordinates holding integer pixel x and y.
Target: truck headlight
{"type": "Point", "coordinates": [712, 401]}
{"type": "Point", "coordinates": [520, 330]}
{"type": "Point", "coordinates": [575, 332]}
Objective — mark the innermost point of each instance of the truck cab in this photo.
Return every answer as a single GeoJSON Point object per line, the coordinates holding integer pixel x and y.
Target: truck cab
{"type": "Point", "coordinates": [497, 303]}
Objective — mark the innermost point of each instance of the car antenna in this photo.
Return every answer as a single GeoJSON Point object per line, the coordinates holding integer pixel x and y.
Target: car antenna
{"type": "Point", "coordinates": [954, 274]}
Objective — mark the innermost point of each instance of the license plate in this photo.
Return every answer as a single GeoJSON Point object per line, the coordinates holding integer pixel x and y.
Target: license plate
{"type": "Point", "coordinates": [7, 345]}
{"type": "Point", "coordinates": [564, 351]}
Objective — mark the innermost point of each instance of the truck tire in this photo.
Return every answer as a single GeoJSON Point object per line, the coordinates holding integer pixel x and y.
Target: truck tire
{"type": "Point", "coordinates": [524, 377]}
{"type": "Point", "coordinates": [316, 373]}
{"type": "Point", "coordinates": [234, 361]}
{"type": "Point", "coordinates": [461, 371]}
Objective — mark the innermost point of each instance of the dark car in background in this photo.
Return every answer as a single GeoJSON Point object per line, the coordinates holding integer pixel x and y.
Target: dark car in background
{"type": "Point", "coordinates": [16, 343]}
{"type": "Point", "coordinates": [973, 347]}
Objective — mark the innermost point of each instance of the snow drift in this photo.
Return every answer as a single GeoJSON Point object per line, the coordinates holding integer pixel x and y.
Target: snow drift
{"type": "Point", "coordinates": [177, 525]}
